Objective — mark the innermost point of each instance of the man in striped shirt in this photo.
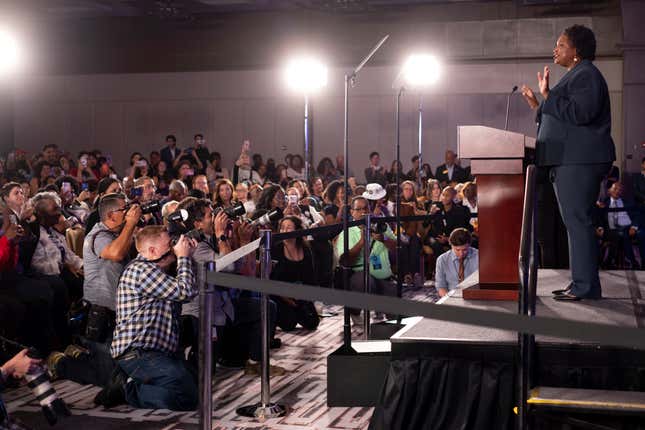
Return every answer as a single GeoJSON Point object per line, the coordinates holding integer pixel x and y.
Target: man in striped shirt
{"type": "Point", "coordinates": [146, 337]}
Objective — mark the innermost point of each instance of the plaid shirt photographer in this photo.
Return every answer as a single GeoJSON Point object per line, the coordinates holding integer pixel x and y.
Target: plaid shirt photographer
{"type": "Point", "coordinates": [149, 306]}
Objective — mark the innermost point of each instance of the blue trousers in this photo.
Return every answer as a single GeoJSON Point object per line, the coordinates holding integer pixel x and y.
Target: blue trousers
{"type": "Point", "coordinates": [159, 381]}
{"type": "Point", "coordinates": [576, 188]}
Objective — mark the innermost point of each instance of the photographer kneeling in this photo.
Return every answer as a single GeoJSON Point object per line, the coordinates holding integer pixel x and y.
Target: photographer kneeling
{"type": "Point", "coordinates": [146, 338]}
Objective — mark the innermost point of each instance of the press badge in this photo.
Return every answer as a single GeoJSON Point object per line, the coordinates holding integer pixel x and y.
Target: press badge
{"type": "Point", "coordinates": [375, 260]}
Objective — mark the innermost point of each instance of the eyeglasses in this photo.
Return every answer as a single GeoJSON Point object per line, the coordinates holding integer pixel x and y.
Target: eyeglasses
{"type": "Point", "coordinates": [123, 209]}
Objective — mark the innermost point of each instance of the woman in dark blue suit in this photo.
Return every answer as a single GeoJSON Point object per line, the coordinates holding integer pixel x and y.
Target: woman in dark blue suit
{"type": "Point", "coordinates": [574, 143]}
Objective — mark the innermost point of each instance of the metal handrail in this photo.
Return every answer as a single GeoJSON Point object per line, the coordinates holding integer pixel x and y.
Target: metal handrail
{"type": "Point", "coordinates": [527, 266]}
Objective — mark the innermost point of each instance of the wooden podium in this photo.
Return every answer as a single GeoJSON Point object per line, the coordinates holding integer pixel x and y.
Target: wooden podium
{"type": "Point", "coordinates": [497, 161]}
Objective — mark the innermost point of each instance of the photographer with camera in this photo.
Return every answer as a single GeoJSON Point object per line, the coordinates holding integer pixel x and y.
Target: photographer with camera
{"type": "Point", "coordinates": [146, 338]}
{"type": "Point", "coordinates": [379, 264]}
{"type": "Point", "coordinates": [105, 253]}
{"type": "Point", "coordinates": [143, 193]}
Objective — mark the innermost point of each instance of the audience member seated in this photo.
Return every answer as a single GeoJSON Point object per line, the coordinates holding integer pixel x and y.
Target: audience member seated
{"type": "Point", "coordinates": [447, 216]}
{"type": "Point", "coordinates": [176, 191]}
{"type": "Point", "coordinates": [295, 264]}
{"type": "Point", "coordinates": [146, 339]}
{"type": "Point", "coordinates": [214, 170]}
{"type": "Point", "coordinates": [457, 264]}
{"type": "Point", "coordinates": [105, 186]}
{"type": "Point", "coordinates": [52, 255]}
{"type": "Point", "coordinates": [619, 231]}
{"type": "Point", "coordinates": [450, 172]}
{"type": "Point", "coordinates": [375, 173]}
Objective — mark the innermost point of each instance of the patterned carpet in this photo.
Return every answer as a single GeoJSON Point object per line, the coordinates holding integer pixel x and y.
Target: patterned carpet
{"type": "Point", "coordinates": [302, 389]}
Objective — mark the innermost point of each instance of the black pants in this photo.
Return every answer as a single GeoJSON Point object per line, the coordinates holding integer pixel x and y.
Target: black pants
{"type": "Point", "coordinates": [303, 313]}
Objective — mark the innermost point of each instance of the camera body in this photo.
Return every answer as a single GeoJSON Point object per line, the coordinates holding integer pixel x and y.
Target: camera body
{"type": "Point", "coordinates": [378, 227]}
{"type": "Point", "coordinates": [177, 226]}
{"type": "Point", "coordinates": [235, 211]}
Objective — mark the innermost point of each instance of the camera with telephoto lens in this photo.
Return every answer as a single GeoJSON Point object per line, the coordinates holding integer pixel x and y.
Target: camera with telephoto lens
{"type": "Point", "coordinates": [177, 226]}
{"type": "Point", "coordinates": [38, 380]}
{"type": "Point", "coordinates": [268, 218]}
{"type": "Point", "coordinates": [234, 211]}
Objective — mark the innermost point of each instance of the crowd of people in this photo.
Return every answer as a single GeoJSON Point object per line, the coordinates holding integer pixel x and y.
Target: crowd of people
{"type": "Point", "coordinates": [101, 269]}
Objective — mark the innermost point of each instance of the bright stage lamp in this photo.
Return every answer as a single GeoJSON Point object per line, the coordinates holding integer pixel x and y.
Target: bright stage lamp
{"type": "Point", "coordinates": [421, 70]}
{"type": "Point", "coordinates": [9, 52]}
{"type": "Point", "coordinates": [306, 75]}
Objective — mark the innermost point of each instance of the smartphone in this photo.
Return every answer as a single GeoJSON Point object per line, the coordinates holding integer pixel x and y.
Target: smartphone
{"type": "Point", "coordinates": [246, 146]}
{"type": "Point", "coordinates": [190, 172]}
{"type": "Point", "coordinates": [84, 186]}
{"type": "Point", "coordinates": [66, 187]}
{"type": "Point", "coordinates": [189, 150]}
{"type": "Point", "coordinates": [292, 200]}
{"type": "Point", "coordinates": [84, 161]}
{"type": "Point", "coordinates": [140, 163]}
{"type": "Point", "coordinates": [13, 219]}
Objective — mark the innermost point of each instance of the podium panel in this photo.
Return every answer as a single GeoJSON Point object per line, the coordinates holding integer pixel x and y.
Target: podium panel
{"type": "Point", "coordinates": [497, 162]}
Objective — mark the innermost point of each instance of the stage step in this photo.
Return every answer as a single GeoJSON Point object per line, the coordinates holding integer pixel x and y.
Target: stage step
{"type": "Point", "coordinates": [599, 400]}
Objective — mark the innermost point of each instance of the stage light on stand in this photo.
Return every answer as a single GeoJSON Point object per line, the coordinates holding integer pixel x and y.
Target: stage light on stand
{"type": "Point", "coordinates": [420, 70]}
{"type": "Point", "coordinates": [306, 75]}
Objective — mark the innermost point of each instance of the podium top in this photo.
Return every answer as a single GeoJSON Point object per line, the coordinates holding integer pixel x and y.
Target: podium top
{"type": "Point", "coordinates": [478, 141]}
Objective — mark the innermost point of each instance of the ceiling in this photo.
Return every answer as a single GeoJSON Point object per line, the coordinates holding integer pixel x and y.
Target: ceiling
{"type": "Point", "coordinates": [193, 9]}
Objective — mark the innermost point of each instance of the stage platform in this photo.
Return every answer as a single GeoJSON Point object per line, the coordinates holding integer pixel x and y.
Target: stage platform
{"type": "Point", "coordinates": [437, 363]}
{"type": "Point", "coordinates": [621, 305]}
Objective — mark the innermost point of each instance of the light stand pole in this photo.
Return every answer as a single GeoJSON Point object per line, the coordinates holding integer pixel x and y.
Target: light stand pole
{"type": "Point", "coordinates": [308, 149]}
{"type": "Point", "coordinates": [349, 80]}
{"type": "Point", "coordinates": [399, 272]}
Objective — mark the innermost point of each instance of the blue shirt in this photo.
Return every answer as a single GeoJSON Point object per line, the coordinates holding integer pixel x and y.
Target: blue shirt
{"type": "Point", "coordinates": [447, 273]}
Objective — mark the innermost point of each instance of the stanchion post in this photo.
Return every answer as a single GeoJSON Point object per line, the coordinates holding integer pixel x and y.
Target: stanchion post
{"type": "Point", "coordinates": [206, 351]}
{"type": "Point", "coordinates": [367, 246]}
{"type": "Point", "coordinates": [265, 273]}
{"type": "Point", "coordinates": [265, 409]}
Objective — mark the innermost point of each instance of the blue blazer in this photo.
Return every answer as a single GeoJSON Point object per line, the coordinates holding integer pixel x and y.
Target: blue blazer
{"type": "Point", "coordinates": [574, 122]}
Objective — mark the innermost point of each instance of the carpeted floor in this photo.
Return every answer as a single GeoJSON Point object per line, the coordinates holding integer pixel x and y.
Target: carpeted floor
{"type": "Point", "coordinates": [302, 389]}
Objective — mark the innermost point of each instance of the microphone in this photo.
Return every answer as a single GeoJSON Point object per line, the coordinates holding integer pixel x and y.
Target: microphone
{"type": "Point", "coordinates": [508, 105]}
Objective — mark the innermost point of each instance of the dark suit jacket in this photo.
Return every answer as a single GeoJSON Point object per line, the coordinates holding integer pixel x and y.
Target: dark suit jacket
{"type": "Point", "coordinates": [167, 157]}
{"type": "Point", "coordinates": [575, 120]}
{"type": "Point", "coordinates": [377, 177]}
{"type": "Point", "coordinates": [639, 188]}
{"type": "Point", "coordinates": [458, 174]}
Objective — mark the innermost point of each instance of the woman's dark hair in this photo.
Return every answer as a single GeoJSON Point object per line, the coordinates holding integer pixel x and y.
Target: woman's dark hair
{"type": "Point", "coordinates": [325, 162]}
{"type": "Point", "coordinates": [583, 39]}
{"type": "Point", "coordinates": [297, 222]}
{"type": "Point", "coordinates": [332, 190]}
{"type": "Point", "coordinates": [38, 168]}
{"type": "Point", "coordinates": [72, 181]}
{"type": "Point", "coordinates": [132, 156]}
{"type": "Point", "coordinates": [104, 184]}
{"type": "Point", "coordinates": [267, 197]}
{"type": "Point", "coordinates": [137, 169]}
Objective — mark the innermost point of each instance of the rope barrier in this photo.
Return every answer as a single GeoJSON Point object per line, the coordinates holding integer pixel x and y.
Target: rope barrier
{"type": "Point", "coordinates": [603, 334]}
